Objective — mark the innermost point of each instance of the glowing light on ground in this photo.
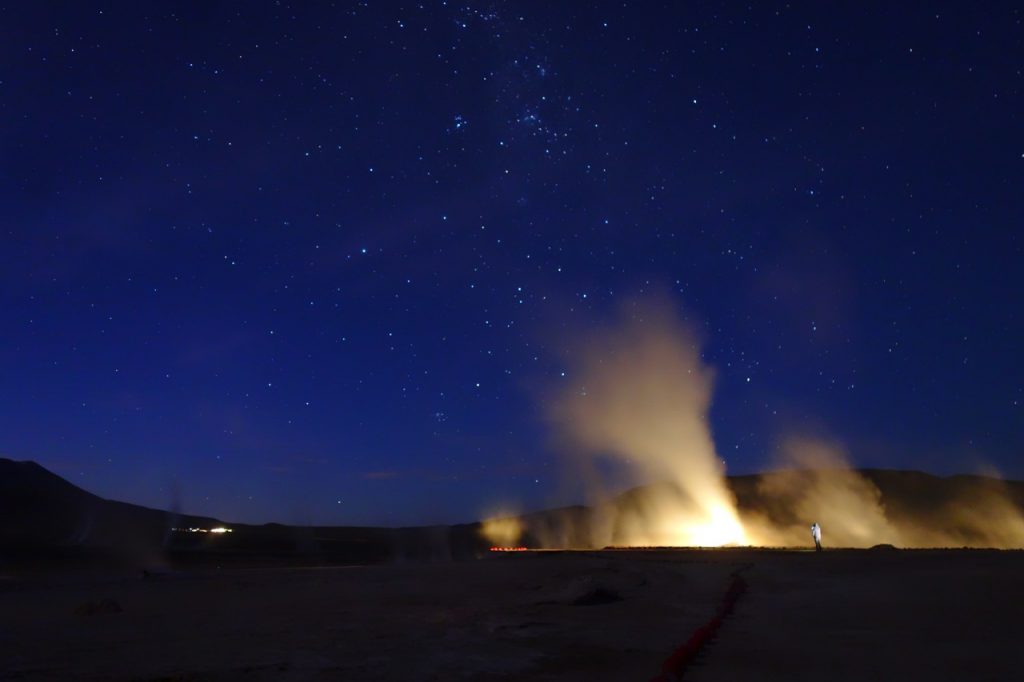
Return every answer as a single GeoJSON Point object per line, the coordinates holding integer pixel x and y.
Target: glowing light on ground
{"type": "Point", "coordinates": [219, 530]}
{"type": "Point", "coordinates": [721, 528]}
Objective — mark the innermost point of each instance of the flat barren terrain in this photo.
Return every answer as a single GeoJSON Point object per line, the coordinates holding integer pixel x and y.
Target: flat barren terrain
{"type": "Point", "coordinates": [614, 615]}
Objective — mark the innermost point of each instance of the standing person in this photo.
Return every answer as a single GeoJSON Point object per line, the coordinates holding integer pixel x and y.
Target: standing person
{"type": "Point", "coordinates": [816, 534]}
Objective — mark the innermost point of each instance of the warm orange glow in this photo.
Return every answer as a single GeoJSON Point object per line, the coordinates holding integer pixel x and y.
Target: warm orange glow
{"type": "Point", "coordinates": [632, 414]}
{"type": "Point", "coordinates": [721, 527]}
{"type": "Point", "coordinates": [640, 398]}
{"type": "Point", "coordinates": [502, 531]}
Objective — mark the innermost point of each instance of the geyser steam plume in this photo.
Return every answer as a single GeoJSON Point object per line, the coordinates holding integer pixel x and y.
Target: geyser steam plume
{"type": "Point", "coordinates": [639, 396]}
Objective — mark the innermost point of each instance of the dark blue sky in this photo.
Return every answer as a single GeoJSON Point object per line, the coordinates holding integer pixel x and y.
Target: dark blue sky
{"type": "Point", "coordinates": [311, 261]}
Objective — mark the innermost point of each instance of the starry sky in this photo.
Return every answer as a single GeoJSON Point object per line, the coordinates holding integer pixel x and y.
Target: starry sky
{"type": "Point", "coordinates": [309, 262]}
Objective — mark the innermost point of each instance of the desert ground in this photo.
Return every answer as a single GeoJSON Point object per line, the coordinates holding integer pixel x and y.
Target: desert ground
{"type": "Point", "coordinates": [612, 615]}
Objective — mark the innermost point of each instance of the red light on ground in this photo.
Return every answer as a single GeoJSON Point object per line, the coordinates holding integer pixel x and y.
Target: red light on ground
{"type": "Point", "coordinates": [509, 549]}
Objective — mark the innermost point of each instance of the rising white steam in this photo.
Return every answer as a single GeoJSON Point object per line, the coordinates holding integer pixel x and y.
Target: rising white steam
{"type": "Point", "coordinates": [639, 395]}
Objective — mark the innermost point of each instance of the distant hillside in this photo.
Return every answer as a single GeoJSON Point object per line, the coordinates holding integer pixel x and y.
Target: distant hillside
{"type": "Point", "coordinates": [42, 510]}
{"type": "Point", "coordinates": [904, 493]}
{"type": "Point", "coordinates": [38, 507]}
{"type": "Point", "coordinates": [914, 499]}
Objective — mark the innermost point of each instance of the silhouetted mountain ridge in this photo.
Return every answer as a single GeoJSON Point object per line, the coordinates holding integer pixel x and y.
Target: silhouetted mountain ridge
{"type": "Point", "coordinates": [39, 511]}
{"type": "Point", "coordinates": [39, 508]}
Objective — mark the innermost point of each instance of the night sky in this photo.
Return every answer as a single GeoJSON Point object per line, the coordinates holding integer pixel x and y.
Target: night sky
{"type": "Point", "coordinates": [313, 262]}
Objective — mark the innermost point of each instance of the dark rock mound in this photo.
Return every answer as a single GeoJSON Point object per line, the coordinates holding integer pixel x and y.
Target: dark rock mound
{"type": "Point", "coordinates": [92, 608]}
{"type": "Point", "coordinates": [597, 595]}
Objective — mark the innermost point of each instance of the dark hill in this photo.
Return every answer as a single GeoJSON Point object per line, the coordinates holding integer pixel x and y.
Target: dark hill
{"type": "Point", "coordinates": [909, 495]}
{"type": "Point", "coordinates": [38, 507]}
{"type": "Point", "coordinates": [43, 514]}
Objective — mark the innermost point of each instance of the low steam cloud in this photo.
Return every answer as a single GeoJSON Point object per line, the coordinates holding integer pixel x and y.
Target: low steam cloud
{"type": "Point", "coordinates": [855, 509]}
{"type": "Point", "coordinates": [817, 484]}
